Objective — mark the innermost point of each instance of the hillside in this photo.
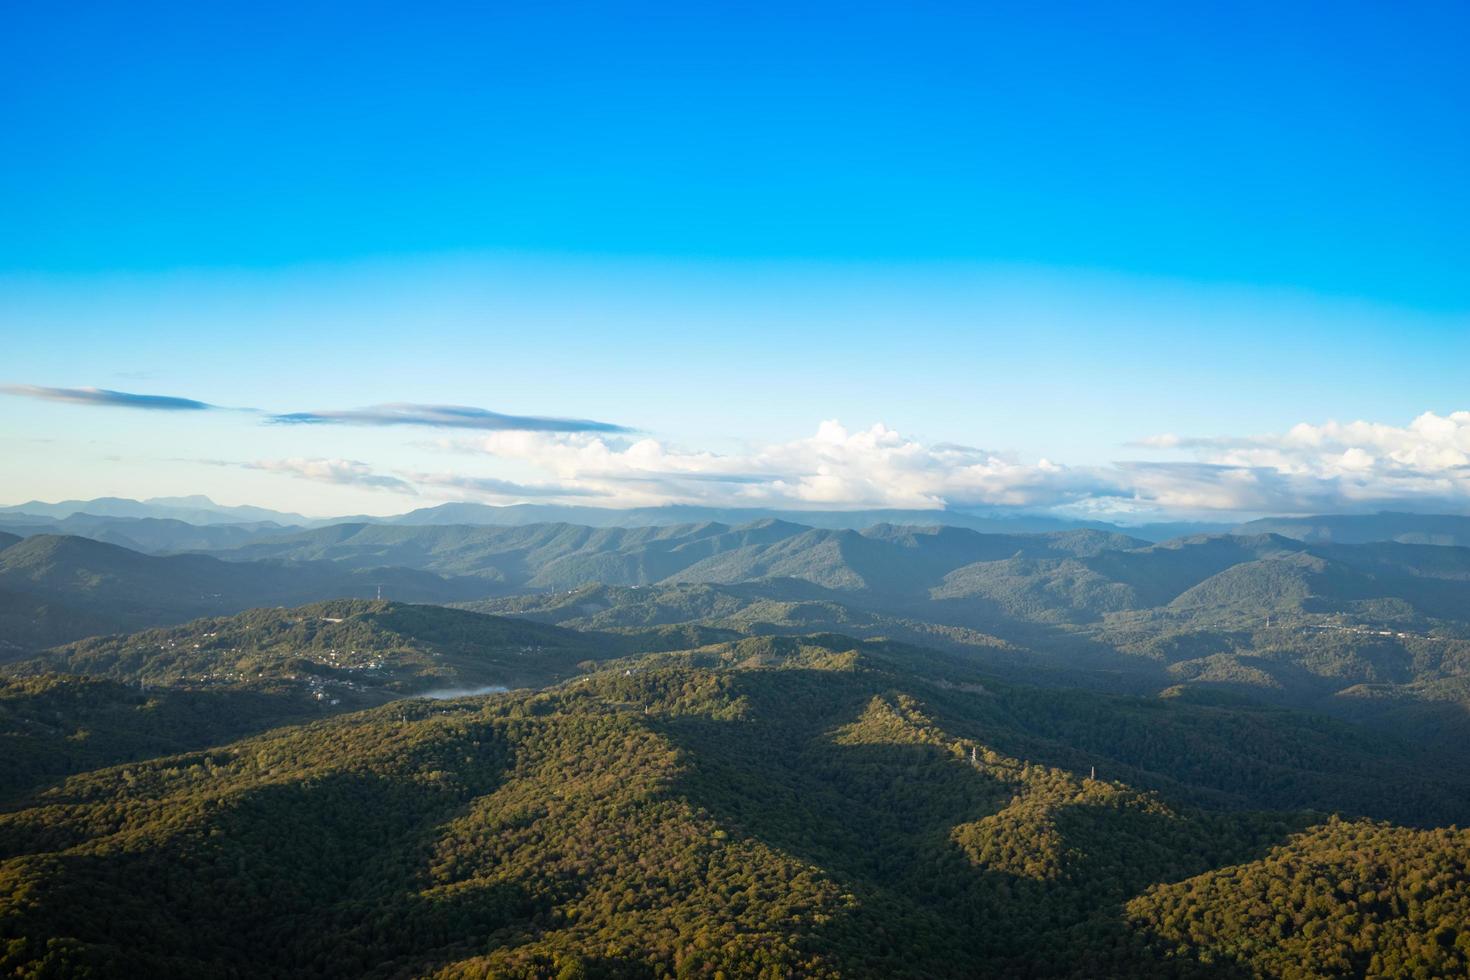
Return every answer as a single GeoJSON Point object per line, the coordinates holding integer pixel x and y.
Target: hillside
{"type": "Point", "coordinates": [1433, 529]}
{"type": "Point", "coordinates": [769, 607]}
{"type": "Point", "coordinates": [1083, 588]}
{"type": "Point", "coordinates": [933, 574]}
{"type": "Point", "coordinates": [768, 807]}
{"type": "Point", "coordinates": [150, 535]}
{"type": "Point", "coordinates": [1342, 899]}
{"type": "Point", "coordinates": [54, 588]}
{"type": "Point", "coordinates": [54, 726]}
{"type": "Point", "coordinates": [358, 651]}
{"type": "Point", "coordinates": [1259, 616]}
{"type": "Point", "coordinates": [565, 556]}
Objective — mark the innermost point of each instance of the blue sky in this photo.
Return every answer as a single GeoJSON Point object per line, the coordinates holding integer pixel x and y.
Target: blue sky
{"type": "Point", "coordinates": [1049, 234]}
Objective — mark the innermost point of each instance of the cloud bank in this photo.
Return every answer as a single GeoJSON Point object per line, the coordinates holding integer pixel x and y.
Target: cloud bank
{"type": "Point", "coordinates": [107, 398]}
{"type": "Point", "coordinates": [1311, 468]}
{"type": "Point", "coordinates": [835, 467]}
{"type": "Point", "coordinates": [443, 416]}
{"type": "Point", "coordinates": [1314, 467]}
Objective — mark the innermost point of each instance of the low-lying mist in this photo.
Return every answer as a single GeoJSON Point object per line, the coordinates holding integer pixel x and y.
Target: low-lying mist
{"type": "Point", "coordinates": [448, 693]}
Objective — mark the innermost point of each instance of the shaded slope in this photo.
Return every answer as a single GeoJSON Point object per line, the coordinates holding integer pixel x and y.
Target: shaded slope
{"type": "Point", "coordinates": [151, 535]}
{"type": "Point", "coordinates": [118, 589]}
{"type": "Point", "coordinates": [351, 649]}
{"type": "Point", "coordinates": [54, 726]}
{"type": "Point", "coordinates": [883, 559]}
{"type": "Point", "coordinates": [814, 812]}
{"type": "Point", "coordinates": [1432, 529]}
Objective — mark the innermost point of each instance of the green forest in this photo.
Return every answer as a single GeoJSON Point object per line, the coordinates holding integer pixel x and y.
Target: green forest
{"type": "Point", "coordinates": [773, 806]}
{"type": "Point", "coordinates": [767, 751]}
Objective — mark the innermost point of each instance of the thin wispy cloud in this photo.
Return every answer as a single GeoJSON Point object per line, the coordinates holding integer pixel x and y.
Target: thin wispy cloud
{"type": "Point", "coordinates": [444, 416]}
{"type": "Point", "coordinates": [342, 472]}
{"type": "Point", "coordinates": [107, 398]}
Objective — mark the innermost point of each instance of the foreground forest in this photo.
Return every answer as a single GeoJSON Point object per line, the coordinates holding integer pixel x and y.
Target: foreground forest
{"type": "Point", "coordinates": [768, 806]}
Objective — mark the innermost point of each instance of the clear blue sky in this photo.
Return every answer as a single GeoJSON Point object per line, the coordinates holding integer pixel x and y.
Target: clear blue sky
{"type": "Point", "coordinates": [1044, 229]}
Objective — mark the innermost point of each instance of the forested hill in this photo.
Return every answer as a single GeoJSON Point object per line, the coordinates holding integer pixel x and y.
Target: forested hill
{"type": "Point", "coordinates": [1363, 629]}
{"type": "Point", "coordinates": [53, 726]}
{"type": "Point", "coordinates": [150, 535]}
{"type": "Point", "coordinates": [563, 556]}
{"type": "Point", "coordinates": [772, 806]}
{"type": "Point", "coordinates": [1437, 529]}
{"type": "Point", "coordinates": [361, 651]}
{"type": "Point", "coordinates": [932, 573]}
{"type": "Point", "coordinates": [706, 774]}
{"type": "Point", "coordinates": [55, 588]}
{"type": "Point", "coordinates": [1359, 628]}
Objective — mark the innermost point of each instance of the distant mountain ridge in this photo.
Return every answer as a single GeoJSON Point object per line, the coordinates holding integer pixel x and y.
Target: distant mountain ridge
{"type": "Point", "coordinates": [90, 517]}
{"type": "Point", "coordinates": [195, 509]}
{"type": "Point", "coordinates": [1258, 614]}
{"type": "Point", "coordinates": [151, 535]}
{"type": "Point", "coordinates": [1061, 576]}
{"type": "Point", "coordinates": [519, 514]}
{"type": "Point", "coordinates": [567, 556]}
{"type": "Point", "coordinates": [1440, 529]}
{"type": "Point", "coordinates": [199, 509]}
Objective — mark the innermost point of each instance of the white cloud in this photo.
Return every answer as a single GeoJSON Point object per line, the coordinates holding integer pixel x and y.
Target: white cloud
{"type": "Point", "coordinates": [1327, 466]}
{"type": "Point", "coordinates": [835, 467]}
{"type": "Point", "coordinates": [1310, 468]}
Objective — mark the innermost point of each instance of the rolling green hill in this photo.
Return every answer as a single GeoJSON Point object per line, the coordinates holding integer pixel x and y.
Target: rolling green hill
{"type": "Point", "coordinates": [1342, 899]}
{"type": "Point", "coordinates": [1258, 616]}
{"type": "Point", "coordinates": [772, 750]}
{"type": "Point", "coordinates": [938, 574]}
{"type": "Point", "coordinates": [57, 588]}
{"type": "Point", "coordinates": [1084, 588]}
{"type": "Point", "coordinates": [773, 806]}
{"type": "Point", "coordinates": [53, 726]}
{"type": "Point", "coordinates": [771, 607]}
{"type": "Point", "coordinates": [565, 556]}
{"type": "Point", "coordinates": [361, 651]}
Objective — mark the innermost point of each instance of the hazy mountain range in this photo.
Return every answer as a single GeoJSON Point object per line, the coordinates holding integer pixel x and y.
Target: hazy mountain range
{"type": "Point", "coordinates": [899, 750]}
{"type": "Point", "coordinates": [1342, 627]}
{"type": "Point", "coordinates": [199, 509]}
{"type": "Point", "coordinates": [195, 523]}
{"type": "Point", "coordinates": [195, 509]}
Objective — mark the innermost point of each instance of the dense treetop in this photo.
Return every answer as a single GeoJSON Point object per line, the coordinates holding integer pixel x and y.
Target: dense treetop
{"type": "Point", "coordinates": [766, 806]}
